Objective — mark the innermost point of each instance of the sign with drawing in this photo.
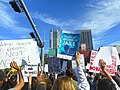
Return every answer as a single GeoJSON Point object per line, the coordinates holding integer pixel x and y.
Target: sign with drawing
{"type": "Point", "coordinates": [69, 44]}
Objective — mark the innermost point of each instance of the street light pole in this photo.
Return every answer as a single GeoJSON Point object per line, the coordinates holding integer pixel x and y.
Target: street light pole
{"type": "Point", "coordinates": [31, 22]}
{"type": "Point", "coordinates": [40, 43]}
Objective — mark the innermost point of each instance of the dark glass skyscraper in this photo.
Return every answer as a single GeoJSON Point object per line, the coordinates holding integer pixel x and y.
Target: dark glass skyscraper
{"type": "Point", "coordinates": [86, 38]}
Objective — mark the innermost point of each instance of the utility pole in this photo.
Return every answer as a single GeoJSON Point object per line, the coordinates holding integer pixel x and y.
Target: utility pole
{"type": "Point", "coordinates": [18, 6]}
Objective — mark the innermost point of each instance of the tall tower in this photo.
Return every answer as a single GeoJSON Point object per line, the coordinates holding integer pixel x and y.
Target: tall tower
{"type": "Point", "coordinates": [54, 38]}
{"type": "Point", "coordinates": [86, 38]}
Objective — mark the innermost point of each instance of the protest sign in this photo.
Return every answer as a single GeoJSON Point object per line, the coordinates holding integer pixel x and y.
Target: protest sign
{"type": "Point", "coordinates": [115, 54]}
{"type": "Point", "coordinates": [111, 68]}
{"type": "Point", "coordinates": [82, 62]}
{"type": "Point", "coordinates": [31, 69]}
{"type": "Point", "coordinates": [64, 65]}
{"type": "Point", "coordinates": [69, 44]}
{"type": "Point", "coordinates": [54, 65]}
{"type": "Point", "coordinates": [22, 51]}
{"type": "Point", "coordinates": [46, 67]}
{"type": "Point", "coordinates": [93, 68]}
{"type": "Point", "coordinates": [104, 53]}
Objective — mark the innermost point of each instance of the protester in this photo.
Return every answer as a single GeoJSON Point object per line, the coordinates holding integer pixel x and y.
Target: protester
{"type": "Point", "coordinates": [21, 81]}
{"type": "Point", "coordinates": [71, 73]}
{"type": "Point", "coordinates": [65, 83]}
{"type": "Point", "coordinates": [106, 82]}
{"type": "Point", "coordinates": [2, 78]}
{"type": "Point", "coordinates": [82, 80]}
{"type": "Point", "coordinates": [91, 80]}
{"type": "Point", "coordinates": [117, 78]}
{"type": "Point", "coordinates": [42, 83]}
{"type": "Point", "coordinates": [39, 82]}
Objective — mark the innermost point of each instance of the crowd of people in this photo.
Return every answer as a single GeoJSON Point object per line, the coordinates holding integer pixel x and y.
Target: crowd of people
{"type": "Point", "coordinates": [72, 79]}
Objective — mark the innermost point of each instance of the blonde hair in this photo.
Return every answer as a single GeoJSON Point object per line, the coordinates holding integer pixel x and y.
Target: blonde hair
{"type": "Point", "coordinates": [63, 83]}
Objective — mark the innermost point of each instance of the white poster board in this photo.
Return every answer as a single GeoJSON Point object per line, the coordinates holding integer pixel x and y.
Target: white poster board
{"type": "Point", "coordinates": [93, 68]}
{"type": "Point", "coordinates": [46, 67]}
{"type": "Point", "coordinates": [31, 69]}
{"type": "Point", "coordinates": [111, 68]}
{"type": "Point", "coordinates": [22, 51]}
{"type": "Point", "coordinates": [82, 62]}
{"type": "Point", "coordinates": [104, 53]}
{"type": "Point", "coordinates": [115, 54]}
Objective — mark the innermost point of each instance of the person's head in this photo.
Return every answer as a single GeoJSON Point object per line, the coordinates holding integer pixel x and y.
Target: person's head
{"type": "Point", "coordinates": [70, 72]}
{"type": "Point", "coordinates": [63, 83]}
{"type": "Point", "coordinates": [2, 77]}
{"type": "Point", "coordinates": [105, 84]}
{"type": "Point", "coordinates": [41, 86]}
{"type": "Point", "coordinates": [13, 80]}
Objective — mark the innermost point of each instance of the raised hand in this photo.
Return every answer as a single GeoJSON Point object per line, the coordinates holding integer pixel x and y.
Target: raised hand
{"type": "Point", "coordinates": [15, 66]}
{"type": "Point", "coordinates": [77, 58]}
{"type": "Point", "coordinates": [102, 64]}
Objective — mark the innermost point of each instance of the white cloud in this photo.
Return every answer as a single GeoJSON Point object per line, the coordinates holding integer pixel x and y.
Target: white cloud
{"type": "Point", "coordinates": [6, 19]}
{"type": "Point", "coordinates": [115, 43]}
{"type": "Point", "coordinates": [47, 19]}
{"type": "Point", "coordinates": [9, 22]}
{"type": "Point", "coordinates": [106, 14]}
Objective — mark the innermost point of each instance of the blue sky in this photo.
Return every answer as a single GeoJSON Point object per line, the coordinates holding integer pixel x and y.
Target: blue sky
{"type": "Point", "coordinates": [101, 16]}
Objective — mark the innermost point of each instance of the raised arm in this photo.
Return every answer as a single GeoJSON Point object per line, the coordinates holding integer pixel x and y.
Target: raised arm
{"type": "Point", "coordinates": [102, 66]}
{"type": "Point", "coordinates": [82, 80]}
{"type": "Point", "coordinates": [18, 68]}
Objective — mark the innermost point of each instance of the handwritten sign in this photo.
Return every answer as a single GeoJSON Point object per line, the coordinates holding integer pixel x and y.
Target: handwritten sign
{"type": "Point", "coordinates": [93, 68]}
{"type": "Point", "coordinates": [111, 68]}
{"type": "Point", "coordinates": [104, 53]}
{"type": "Point", "coordinates": [31, 69]}
{"type": "Point", "coordinates": [115, 54]}
{"type": "Point", "coordinates": [22, 51]}
{"type": "Point", "coordinates": [82, 62]}
{"type": "Point", "coordinates": [69, 44]}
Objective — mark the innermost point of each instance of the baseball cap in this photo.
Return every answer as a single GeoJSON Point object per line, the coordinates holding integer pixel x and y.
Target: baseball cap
{"type": "Point", "coordinates": [2, 75]}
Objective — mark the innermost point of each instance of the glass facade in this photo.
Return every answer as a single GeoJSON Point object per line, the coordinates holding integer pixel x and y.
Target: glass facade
{"type": "Point", "coordinates": [54, 38]}
{"type": "Point", "coordinates": [86, 37]}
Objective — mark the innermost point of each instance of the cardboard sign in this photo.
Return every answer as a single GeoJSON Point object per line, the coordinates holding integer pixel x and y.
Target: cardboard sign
{"type": "Point", "coordinates": [69, 44]}
{"type": "Point", "coordinates": [46, 67]}
{"type": "Point", "coordinates": [104, 53]}
{"type": "Point", "coordinates": [111, 68]}
{"type": "Point", "coordinates": [31, 69]}
{"type": "Point", "coordinates": [93, 68]}
{"type": "Point", "coordinates": [22, 51]}
{"type": "Point", "coordinates": [82, 62]}
{"type": "Point", "coordinates": [115, 54]}
{"type": "Point", "coordinates": [54, 65]}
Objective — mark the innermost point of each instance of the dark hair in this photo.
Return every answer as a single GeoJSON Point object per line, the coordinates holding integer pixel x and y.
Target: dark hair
{"type": "Point", "coordinates": [41, 86]}
{"type": "Point", "coordinates": [105, 84]}
{"type": "Point", "coordinates": [70, 72]}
